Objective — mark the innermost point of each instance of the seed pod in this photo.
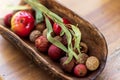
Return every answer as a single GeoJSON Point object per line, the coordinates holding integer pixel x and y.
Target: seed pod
{"type": "Point", "coordinates": [33, 35]}
{"type": "Point", "coordinates": [92, 63]}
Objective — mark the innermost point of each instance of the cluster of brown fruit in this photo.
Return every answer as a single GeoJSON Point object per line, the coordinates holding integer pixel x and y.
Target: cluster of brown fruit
{"type": "Point", "coordinates": [22, 23]}
{"type": "Point", "coordinates": [80, 67]}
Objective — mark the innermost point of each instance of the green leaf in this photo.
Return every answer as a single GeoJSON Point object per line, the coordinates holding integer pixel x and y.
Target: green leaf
{"type": "Point", "coordinates": [77, 37]}
{"type": "Point", "coordinates": [43, 9]}
{"type": "Point", "coordinates": [69, 49]}
{"type": "Point", "coordinates": [62, 33]}
{"type": "Point", "coordinates": [51, 39]}
{"type": "Point", "coordinates": [70, 53]}
{"type": "Point", "coordinates": [39, 16]}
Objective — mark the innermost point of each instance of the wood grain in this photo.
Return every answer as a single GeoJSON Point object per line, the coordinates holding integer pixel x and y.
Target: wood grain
{"type": "Point", "coordinates": [103, 13]}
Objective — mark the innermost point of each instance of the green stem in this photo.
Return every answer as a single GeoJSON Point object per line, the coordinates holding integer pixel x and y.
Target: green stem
{"type": "Point", "coordinates": [69, 50]}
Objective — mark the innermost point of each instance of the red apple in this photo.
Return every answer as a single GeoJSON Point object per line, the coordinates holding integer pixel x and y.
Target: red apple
{"type": "Point", "coordinates": [65, 21]}
{"type": "Point", "coordinates": [57, 28]}
{"type": "Point", "coordinates": [22, 23]}
{"type": "Point", "coordinates": [7, 19]}
{"type": "Point", "coordinates": [80, 70]}
{"type": "Point", "coordinates": [54, 52]}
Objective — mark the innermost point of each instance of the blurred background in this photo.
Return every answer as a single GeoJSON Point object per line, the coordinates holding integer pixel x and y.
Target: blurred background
{"type": "Point", "coordinates": [4, 4]}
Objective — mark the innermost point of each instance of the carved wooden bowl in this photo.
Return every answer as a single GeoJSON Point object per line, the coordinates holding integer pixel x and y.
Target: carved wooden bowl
{"type": "Point", "coordinates": [90, 35]}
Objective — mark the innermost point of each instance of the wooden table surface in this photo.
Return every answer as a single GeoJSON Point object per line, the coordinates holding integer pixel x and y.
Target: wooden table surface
{"type": "Point", "coordinates": [104, 14]}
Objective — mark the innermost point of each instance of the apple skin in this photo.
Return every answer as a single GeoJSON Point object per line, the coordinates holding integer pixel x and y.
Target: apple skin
{"type": "Point", "coordinates": [7, 19]}
{"type": "Point", "coordinates": [80, 70]}
{"type": "Point", "coordinates": [22, 23]}
{"type": "Point", "coordinates": [57, 28]}
{"type": "Point", "coordinates": [55, 53]}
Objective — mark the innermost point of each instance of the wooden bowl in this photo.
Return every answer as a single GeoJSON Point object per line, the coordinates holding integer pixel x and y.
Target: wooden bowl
{"type": "Point", "coordinates": [90, 35]}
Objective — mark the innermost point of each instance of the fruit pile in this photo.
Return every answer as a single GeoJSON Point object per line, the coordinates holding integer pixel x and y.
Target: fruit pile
{"type": "Point", "coordinates": [53, 35]}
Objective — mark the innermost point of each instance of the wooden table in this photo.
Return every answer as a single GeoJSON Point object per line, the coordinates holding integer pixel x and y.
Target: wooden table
{"type": "Point", "coordinates": [104, 14]}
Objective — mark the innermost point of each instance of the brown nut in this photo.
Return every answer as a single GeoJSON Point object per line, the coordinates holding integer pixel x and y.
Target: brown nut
{"type": "Point", "coordinates": [40, 26]}
{"type": "Point", "coordinates": [67, 67]}
{"type": "Point", "coordinates": [33, 35]}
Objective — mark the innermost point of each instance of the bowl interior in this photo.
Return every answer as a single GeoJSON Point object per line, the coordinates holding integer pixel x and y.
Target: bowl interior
{"type": "Point", "coordinates": [90, 35]}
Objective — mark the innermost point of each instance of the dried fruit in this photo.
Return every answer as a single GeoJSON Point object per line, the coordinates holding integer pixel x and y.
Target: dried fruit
{"type": "Point", "coordinates": [92, 63]}
{"type": "Point", "coordinates": [80, 70]}
{"type": "Point", "coordinates": [42, 44]}
{"type": "Point", "coordinates": [33, 35]}
{"type": "Point", "coordinates": [67, 67]}
{"type": "Point", "coordinates": [54, 52]}
{"type": "Point", "coordinates": [64, 40]}
{"type": "Point", "coordinates": [40, 26]}
{"type": "Point", "coordinates": [82, 58]}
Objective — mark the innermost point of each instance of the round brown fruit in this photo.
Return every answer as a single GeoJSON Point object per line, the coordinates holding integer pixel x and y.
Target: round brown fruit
{"type": "Point", "coordinates": [82, 58]}
{"type": "Point", "coordinates": [67, 67]}
{"type": "Point", "coordinates": [42, 44]}
{"type": "Point", "coordinates": [33, 35]}
{"type": "Point", "coordinates": [92, 63]}
{"type": "Point", "coordinates": [40, 27]}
